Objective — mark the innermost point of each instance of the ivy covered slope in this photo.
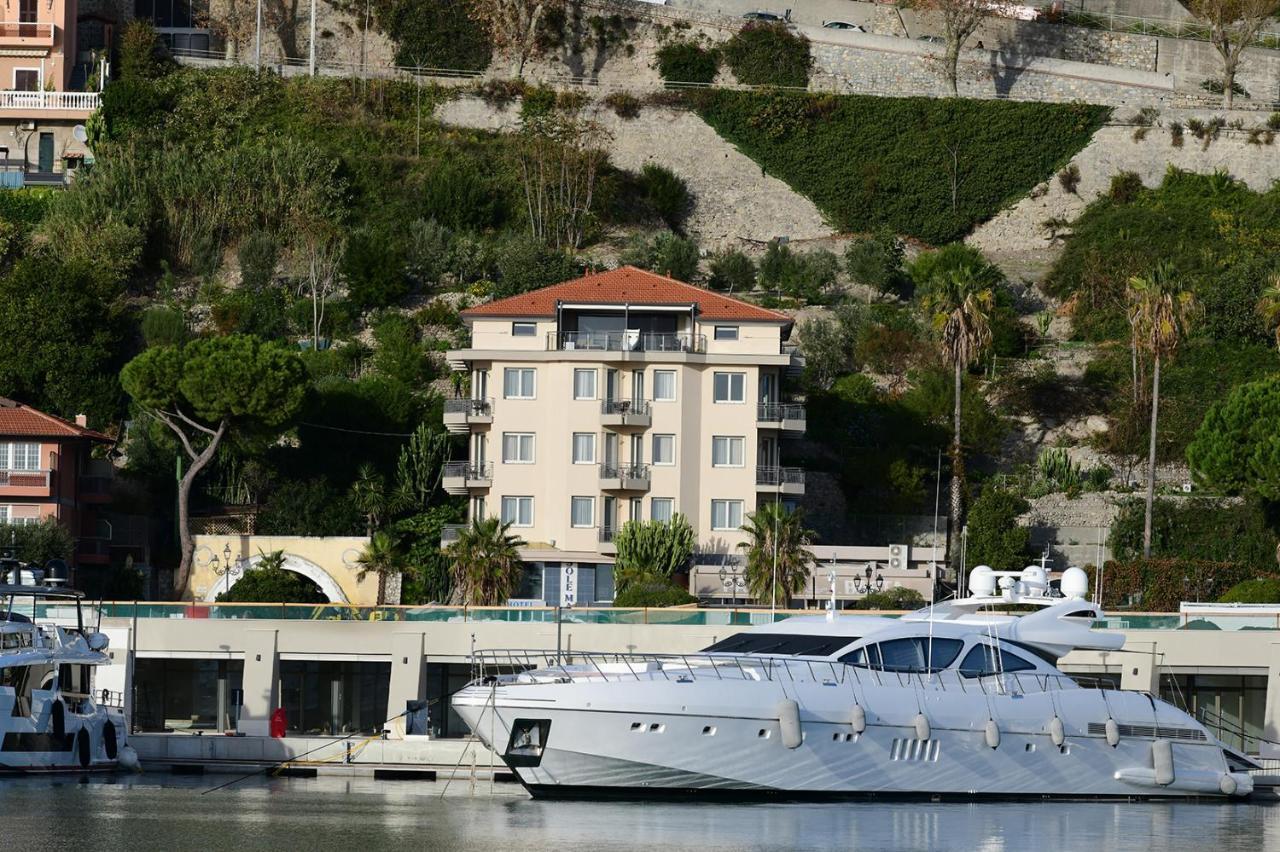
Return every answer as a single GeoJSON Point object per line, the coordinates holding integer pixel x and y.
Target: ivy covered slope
{"type": "Point", "coordinates": [929, 168]}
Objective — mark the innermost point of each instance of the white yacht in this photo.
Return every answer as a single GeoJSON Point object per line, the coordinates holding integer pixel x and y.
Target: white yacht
{"type": "Point", "coordinates": [50, 720]}
{"type": "Point", "coordinates": [962, 699]}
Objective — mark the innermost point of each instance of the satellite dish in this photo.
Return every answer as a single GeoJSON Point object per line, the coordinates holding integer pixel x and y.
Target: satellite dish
{"type": "Point", "coordinates": [79, 134]}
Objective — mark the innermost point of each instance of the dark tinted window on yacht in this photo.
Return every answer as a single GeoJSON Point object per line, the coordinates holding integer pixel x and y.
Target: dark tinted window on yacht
{"type": "Point", "coordinates": [981, 661]}
{"type": "Point", "coordinates": [790, 644]}
{"type": "Point", "coordinates": [912, 654]}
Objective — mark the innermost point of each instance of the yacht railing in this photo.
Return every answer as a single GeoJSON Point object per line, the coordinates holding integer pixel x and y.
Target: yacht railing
{"type": "Point", "coordinates": [686, 668]}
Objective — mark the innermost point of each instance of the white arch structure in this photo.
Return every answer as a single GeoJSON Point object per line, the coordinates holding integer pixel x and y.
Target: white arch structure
{"type": "Point", "coordinates": [297, 565]}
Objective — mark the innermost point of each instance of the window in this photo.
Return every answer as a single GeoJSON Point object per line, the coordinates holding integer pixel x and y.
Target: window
{"type": "Point", "coordinates": [726, 332]}
{"type": "Point", "coordinates": [726, 514]}
{"type": "Point", "coordinates": [981, 661]}
{"type": "Point", "coordinates": [584, 384]}
{"type": "Point", "coordinates": [582, 511]}
{"type": "Point", "coordinates": [726, 451]}
{"type": "Point", "coordinates": [518, 383]}
{"type": "Point", "coordinates": [8, 517]}
{"type": "Point", "coordinates": [26, 79]}
{"type": "Point", "coordinates": [19, 456]}
{"type": "Point", "coordinates": [730, 387]}
{"type": "Point", "coordinates": [664, 449]}
{"type": "Point", "coordinates": [524, 329]}
{"type": "Point", "coordinates": [808, 644]}
{"type": "Point", "coordinates": [584, 448]}
{"type": "Point", "coordinates": [660, 509]}
{"type": "Point", "coordinates": [517, 448]}
{"type": "Point", "coordinates": [664, 385]}
{"type": "Point", "coordinates": [517, 511]}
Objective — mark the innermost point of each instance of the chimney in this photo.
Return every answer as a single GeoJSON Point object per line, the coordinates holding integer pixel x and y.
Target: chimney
{"type": "Point", "coordinates": [82, 421]}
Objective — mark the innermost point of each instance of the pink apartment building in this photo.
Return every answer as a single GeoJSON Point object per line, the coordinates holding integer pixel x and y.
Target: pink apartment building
{"type": "Point", "coordinates": [47, 471]}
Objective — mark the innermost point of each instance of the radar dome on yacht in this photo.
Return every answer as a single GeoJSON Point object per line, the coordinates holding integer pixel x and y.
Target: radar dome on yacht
{"type": "Point", "coordinates": [1075, 583]}
{"type": "Point", "coordinates": [982, 582]}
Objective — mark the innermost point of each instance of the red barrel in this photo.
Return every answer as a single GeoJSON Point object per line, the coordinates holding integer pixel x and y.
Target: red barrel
{"type": "Point", "coordinates": [279, 721]}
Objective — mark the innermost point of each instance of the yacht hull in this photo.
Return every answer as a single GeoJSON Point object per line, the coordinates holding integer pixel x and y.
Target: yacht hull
{"type": "Point", "coordinates": [595, 748]}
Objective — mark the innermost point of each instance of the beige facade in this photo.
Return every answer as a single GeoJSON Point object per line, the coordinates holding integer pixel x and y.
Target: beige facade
{"type": "Point", "coordinates": [581, 422]}
{"type": "Point", "coordinates": [330, 562]}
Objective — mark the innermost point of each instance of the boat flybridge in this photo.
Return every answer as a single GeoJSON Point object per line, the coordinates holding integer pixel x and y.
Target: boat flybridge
{"type": "Point", "coordinates": [50, 720]}
{"type": "Point", "coordinates": [959, 699]}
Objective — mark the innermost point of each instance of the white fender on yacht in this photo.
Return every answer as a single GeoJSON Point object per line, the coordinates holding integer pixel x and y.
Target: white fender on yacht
{"type": "Point", "coordinates": [1113, 733]}
{"type": "Point", "coordinates": [128, 759]}
{"type": "Point", "coordinates": [1162, 761]}
{"type": "Point", "coordinates": [1057, 732]}
{"type": "Point", "coordinates": [1227, 784]}
{"type": "Point", "coordinates": [858, 719]}
{"type": "Point", "coordinates": [789, 723]}
{"type": "Point", "coordinates": [922, 727]}
{"type": "Point", "coordinates": [993, 734]}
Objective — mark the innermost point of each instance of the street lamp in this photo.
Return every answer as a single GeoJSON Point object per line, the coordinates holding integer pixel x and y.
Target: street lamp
{"type": "Point", "coordinates": [731, 580]}
{"type": "Point", "coordinates": [225, 567]}
{"type": "Point", "coordinates": [863, 584]}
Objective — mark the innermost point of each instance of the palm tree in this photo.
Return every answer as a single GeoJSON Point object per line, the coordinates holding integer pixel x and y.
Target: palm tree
{"type": "Point", "coordinates": [1160, 313]}
{"type": "Point", "coordinates": [486, 563]}
{"type": "Point", "coordinates": [1269, 307]}
{"type": "Point", "coordinates": [373, 500]}
{"type": "Point", "coordinates": [958, 302]}
{"type": "Point", "coordinates": [381, 556]}
{"type": "Point", "coordinates": [778, 556]}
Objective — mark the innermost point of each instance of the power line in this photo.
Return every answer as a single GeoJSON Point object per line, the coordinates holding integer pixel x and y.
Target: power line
{"type": "Point", "coordinates": [359, 431]}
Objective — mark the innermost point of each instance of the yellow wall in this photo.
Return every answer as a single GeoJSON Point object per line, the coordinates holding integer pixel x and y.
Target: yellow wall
{"type": "Point", "coordinates": [330, 562]}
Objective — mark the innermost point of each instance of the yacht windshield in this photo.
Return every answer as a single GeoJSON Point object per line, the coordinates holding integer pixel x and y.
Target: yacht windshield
{"type": "Point", "coordinates": [788, 644]}
{"type": "Point", "coordinates": [981, 661]}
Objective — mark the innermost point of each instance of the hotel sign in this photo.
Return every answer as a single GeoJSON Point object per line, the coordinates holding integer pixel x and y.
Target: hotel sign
{"type": "Point", "coordinates": [568, 584]}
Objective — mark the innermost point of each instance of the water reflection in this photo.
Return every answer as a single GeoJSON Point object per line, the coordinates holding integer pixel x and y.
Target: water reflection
{"type": "Point", "coordinates": [170, 812]}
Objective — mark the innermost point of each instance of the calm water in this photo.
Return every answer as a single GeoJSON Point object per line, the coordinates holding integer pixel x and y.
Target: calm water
{"type": "Point", "coordinates": [164, 812]}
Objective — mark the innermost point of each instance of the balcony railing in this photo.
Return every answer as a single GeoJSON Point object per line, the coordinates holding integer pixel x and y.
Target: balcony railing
{"type": "Point", "coordinates": [468, 470]}
{"type": "Point", "coordinates": [469, 407]}
{"type": "Point", "coordinates": [608, 534]}
{"type": "Point", "coordinates": [24, 479]}
{"type": "Point", "coordinates": [637, 407]}
{"type": "Point", "coordinates": [626, 341]}
{"type": "Point", "coordinates": [780, 476]}
{"type": "Point", "coordinates": [79, 101]}
{"type": "Point", "coordinates": [774, 412]}
{"type": "Point", "coordinates": [26, 32]}
{"type": "Point", "coordinates": [626, 477]}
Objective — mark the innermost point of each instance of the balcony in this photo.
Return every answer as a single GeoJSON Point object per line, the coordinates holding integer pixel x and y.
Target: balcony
{"type": "Point", "coordinates": [626, 477]}
{"type": "Point", "coordinates": [85, 102]}
{"type": "Point", "coordinates": [788, 417]}
{"type": "Point", "coordinates": [625, 412]}
{"type": "Point", "coordinates": [27, 34]}
{"type": "Point", "coordinates": [625, 341]}
{"type": "Point", "coordinates": [461, 477]}
{"type": "Point", "coordinates": [461, 414]}
{"type": "Point", "coordinates": [607, 536]}
{"type": "Point", "coordinates": [780, 480]}
{"type": "Point", "coordinates": [449, 533]}
{"type": "Point", "coordinates": [31, 479]}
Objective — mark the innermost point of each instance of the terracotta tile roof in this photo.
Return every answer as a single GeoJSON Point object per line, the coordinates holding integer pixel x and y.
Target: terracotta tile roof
{"type": "Point", "coordinates": [23, 421]}
{"type": "Point", "coordinates": [629, 285]}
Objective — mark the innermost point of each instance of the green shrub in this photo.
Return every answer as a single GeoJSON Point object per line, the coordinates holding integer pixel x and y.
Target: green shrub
{"type": "Point", "coordinates": [687, 62]}
{"type": "Point", "coordinates": [658, 593]}
{"type": "Point", "coordinates": [995, 539]}
{"type": "Point", "coordinates": [624, 104]}
{"type": "Point", "coordinates": [374, 269]}
{"type": "Point", "coordinates": [802, 275]}
{"type": "Point", "coordinates": [1069, 178]}
{"type": "Point", "coordinates": [870, 162]}
{"type": "Point", "coordinates": [1125, 187]}
{"type": "Point", "coordinates": [258, 254]}
{"type": "Point", "coordinates": [397, 354]}
{"type": "Point", "coordinates": [261, 314]}
{"type": "Point", "coordinates": [273, 584]}
{"type": "Point", "coordinates": [1197, 528]}
{"type": "Point", "coordinates": [1159, 585]}
{"type": "Point", "coordinates": [891, 600]}
{"type": "Point", "coordinates": [876, 261]}
{"type": "Point", "coordinates": [435, 34]}
{"type": "Point", "coordinates": [733, 271]}
{"type": "Point", "coordinates": [525, 264]}
{"type": "Point", "coordinates": [1262, 590]}
{"type": "Point", "coordinates": [142, 53]}
{"type": "Point", "coordinates": [666, 254]}
{"type": "Point", "coordinates": [164, 326]}
{"type": "Point", "coordinates": [308, 507]}
{"type": "Point", "coordinates": [1273, 121]}
{"type": "Point", "coordinates": [668, 195]}
{"type": "Point", "coordinates": [768, 54]}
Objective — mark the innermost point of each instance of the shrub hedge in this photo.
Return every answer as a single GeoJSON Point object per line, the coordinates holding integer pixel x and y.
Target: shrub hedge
{"type": "Point", "coordinates": [769, 55]}
{"type": "Point", "coordinates": [1196, 529]}
{"type": "Point", "coordinates": [687, 62]}
{"type": "Point", "coordinates": [1159, 585]}
{"type": "Point", "coordinates": [871, 162]}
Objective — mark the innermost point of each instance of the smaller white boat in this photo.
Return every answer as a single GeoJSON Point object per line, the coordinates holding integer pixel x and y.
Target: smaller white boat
{"type": "Point", "coordinates": [50, 719]}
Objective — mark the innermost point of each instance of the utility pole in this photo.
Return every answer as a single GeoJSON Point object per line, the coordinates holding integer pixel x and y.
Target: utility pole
{"type": "Point", "coordinates": [311, 51]}
{"type": "Point", "coordinates": [257, 36]}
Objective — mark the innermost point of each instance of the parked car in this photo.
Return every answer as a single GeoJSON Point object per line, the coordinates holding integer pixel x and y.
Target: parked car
{"type": "Point", "coordinates": [842, 25]}
{"type": "Point", "coordinates": [762, 15]}
{"type": "Point", "coordinates": [932, 39]}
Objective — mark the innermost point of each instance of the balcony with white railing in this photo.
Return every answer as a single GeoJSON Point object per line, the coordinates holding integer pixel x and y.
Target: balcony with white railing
{"type": "Point", "coordinates": [85, 102]}
{"type": "Point", "coordinates": [625, 412]}
{"type": "Point", "coordinates": [782, 480]}
{"type": "Point", "coordinates": [25, 480]}
{"type": "Point", "coordinates": [624, 477]}
{"type": "Point", "coordinates": [789, 417]}
{"type": "Point", "coordinates": [461, 414]}
{"type": "Point", "coordinates": [462, 476]}
{"type": "Point", "coordinates": [27, 33]}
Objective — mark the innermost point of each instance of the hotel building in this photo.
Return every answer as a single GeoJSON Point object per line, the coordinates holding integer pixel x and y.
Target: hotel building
{"type": "Point", "coordinates": [623, 395]}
